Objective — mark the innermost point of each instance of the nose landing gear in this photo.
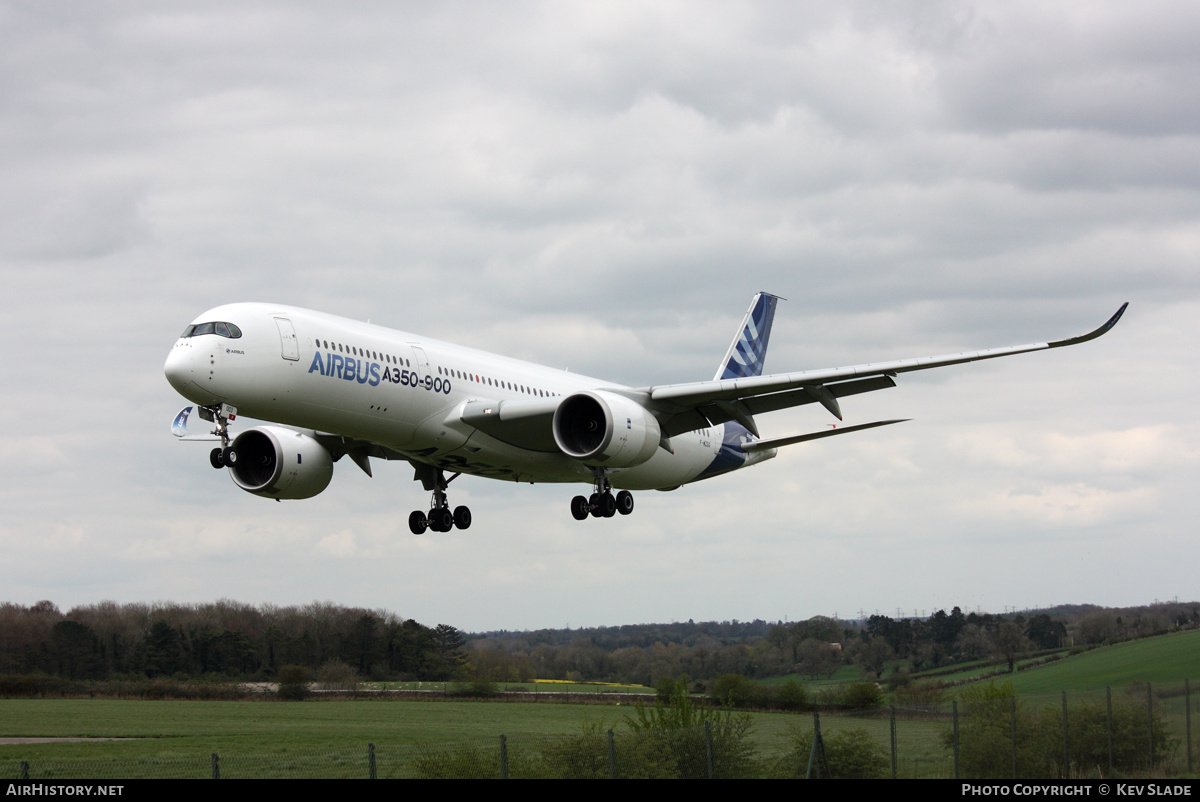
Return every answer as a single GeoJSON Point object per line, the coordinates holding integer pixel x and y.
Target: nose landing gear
{"type": "Point", "coordinates": [221, 415]}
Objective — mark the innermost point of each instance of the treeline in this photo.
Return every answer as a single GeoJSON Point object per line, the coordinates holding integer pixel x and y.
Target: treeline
{"type": "Point", "coordinates": [816, 648]}
{"type": "Point", "coordinates": [224, 638]}
{"type": "Point", "coordinates": [235, 640]}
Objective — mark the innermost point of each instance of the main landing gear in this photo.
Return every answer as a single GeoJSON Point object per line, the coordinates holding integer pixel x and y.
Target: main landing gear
{"type": "Point", "coordinates": [221, 415]}
{"type": "Point", "coordinates": [439, 519]}
{"type": "Point", "coordinates": [602, 503]}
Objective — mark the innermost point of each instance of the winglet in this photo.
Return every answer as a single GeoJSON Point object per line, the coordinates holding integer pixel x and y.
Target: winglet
{"type": "Point", "coordinates": [1091, 335]}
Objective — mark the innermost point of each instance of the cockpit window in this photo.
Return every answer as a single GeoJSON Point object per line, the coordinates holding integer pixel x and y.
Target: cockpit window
{"type": "Point", "coordinates": [223, 329]}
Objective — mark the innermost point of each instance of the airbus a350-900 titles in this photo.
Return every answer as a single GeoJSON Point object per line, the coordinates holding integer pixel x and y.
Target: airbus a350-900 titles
{"type": "Point", "coordinates": [333, 387]}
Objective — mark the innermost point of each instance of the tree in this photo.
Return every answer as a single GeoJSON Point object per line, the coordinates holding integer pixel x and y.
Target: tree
{"type": "Point", "coordinates": [1098, 627]}
{"type": "Point", "coordinates": [818, 658]}
{"type": "Point", "coordinates": [1010, 643]}
{"type": "Point", "coordinates": [165, 653]}
{"type": "Point", "coordinates": [874, 655]}
{"type": "Point", "coordinates": [75, 651]}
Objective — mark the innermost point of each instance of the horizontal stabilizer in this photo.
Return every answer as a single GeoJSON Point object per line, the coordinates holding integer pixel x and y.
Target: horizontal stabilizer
{"type": "Point", "coordinates": [763, 445]}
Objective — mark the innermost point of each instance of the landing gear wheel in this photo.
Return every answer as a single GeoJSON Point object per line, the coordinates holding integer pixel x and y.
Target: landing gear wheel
{"type": "Point", "coordinates": [214, 457]}
{"type": "Point", "coordinates": [596, 505]}
{"type": "Point", "coordinates": [442, 518]}
{"type": "Point", "coordinates": [608, 505]}
{"type": "Point", "coordinates": [462, 517]}
{"type": "Point", "coordinates": [229, 456]}
{"type": "Point", "coordinates": [624, 502]}
{"type": "Point", "coordinates": [579, 508]}
{"type": "Point", "coordinates": [417, 522]}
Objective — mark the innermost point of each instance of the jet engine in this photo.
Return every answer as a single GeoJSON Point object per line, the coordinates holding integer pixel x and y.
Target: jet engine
{"type": "Point", "coordinates": [605, 429]}
{"type": "Point", "coordinates": [276, 462]}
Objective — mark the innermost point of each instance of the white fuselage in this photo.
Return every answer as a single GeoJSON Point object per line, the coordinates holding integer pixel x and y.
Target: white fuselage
{"type": "Point", "coordinates": [333, 375]}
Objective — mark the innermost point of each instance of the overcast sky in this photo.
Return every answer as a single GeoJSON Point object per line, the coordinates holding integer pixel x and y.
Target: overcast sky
{"type": "Point", "coordinates": [603, 187]}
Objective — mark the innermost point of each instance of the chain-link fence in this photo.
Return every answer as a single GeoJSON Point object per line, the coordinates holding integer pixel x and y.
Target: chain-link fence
{"type": "Point", "coordinates": [1141, 731]}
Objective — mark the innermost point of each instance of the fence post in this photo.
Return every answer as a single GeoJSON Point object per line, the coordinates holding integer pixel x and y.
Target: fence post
{"type": "Point", "coordinates": [708, 747]}
{"type": "Point", "coordinates": [612, 757]}
{"type": "Point", "coordinates": [1013, 728]}
{"type": "Point", "coordinates": [1108, 724]}
{"type": "Point", "coordinates": [216, 767]}
{"type": "Point", "coordinates": [503, 758]}
{"type": "Point", "coordinates": [25, 770]}
{"type": "Point", "coordinates": [954, 708]}
{"type": "Point", "coordinates": [817, 755]}
{"type": "Point", "coordinates": [1150, 724]}
{"type": "Point", "coordinates": [893, 742]}
{"type": "Point", "coordinates": [371, 761]}
{"type": "Point", "coordinates": [1187, 718]}
{"type": "Point", "coordinates": [1066, 741]}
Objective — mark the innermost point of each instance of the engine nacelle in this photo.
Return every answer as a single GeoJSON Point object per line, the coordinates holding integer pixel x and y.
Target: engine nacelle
{"type": "Point", "coordinates": [275, 462]}
{"type": "Point", "coordinates": [605, 429]}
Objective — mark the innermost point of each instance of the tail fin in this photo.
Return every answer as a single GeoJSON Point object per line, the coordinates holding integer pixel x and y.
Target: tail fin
{"type": "Point", "coordinates": [749, 348]}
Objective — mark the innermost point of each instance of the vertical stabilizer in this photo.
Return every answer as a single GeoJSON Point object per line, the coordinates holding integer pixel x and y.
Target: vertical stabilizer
{"type": "Point", "coordinates": [749, 348]}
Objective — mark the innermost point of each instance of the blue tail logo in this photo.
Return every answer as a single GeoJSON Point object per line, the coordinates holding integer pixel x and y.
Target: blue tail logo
{"type": "Point", "coordinates": [749, 348]}
{"type": "Point", "coordinates": [179, 425]}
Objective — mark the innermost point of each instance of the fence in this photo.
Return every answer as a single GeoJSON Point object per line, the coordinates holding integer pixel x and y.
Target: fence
{"type": "Point", "coordinates": [1137, 731]}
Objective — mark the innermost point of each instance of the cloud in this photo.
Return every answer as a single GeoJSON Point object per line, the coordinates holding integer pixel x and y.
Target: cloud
{"type": "Point", "coordinates": [603, 188]}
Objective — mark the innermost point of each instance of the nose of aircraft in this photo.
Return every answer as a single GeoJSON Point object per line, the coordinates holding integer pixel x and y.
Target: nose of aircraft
{"type": "Point", "coordinates": [180, 368]}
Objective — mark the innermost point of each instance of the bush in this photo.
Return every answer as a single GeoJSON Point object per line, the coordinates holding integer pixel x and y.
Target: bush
{"type": "Point", "coordinates": [471, 763]}
{"type": "Point", "coordinates": [672, 738]}
{"type": "Point", "coordinates": [475, 689]}
{"type": "Point", "coordinates": [925, 696]}
{"type": "Point", "coordinates": [336, 675]}
{"type": "Point", "coordinates": [738, 691]}
{"type": "Point", "coordinates": [986, 736]}
{"type": "Point", "coordinates": [792, 696]}
{"type": "Point", "coordinates": [862, 695]}
{"type": "Point", "coordinates": [665, 688]}
{"type": "Point", "coordinates": [293, 683]}
{"type": "Point", "coordinates": [586, 756]}
{"type": "Point", "coordinates": [1088, 733]}
{"type": "Point", "coordinates": [849, 754]}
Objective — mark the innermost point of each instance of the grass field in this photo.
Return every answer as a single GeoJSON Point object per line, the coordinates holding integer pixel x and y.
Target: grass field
{"type": "Point", "coordinates": [1167, 658]}
{"type": "Point", "coordinates": [329, 737]}
{"type": "Point", "coordinates": [280, 734]}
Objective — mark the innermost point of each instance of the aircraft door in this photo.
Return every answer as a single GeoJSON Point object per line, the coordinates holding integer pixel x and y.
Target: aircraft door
{"type": "Point", "coordinates": [287, 339]}
{"type": "Point", "coordinates": [421, 363]}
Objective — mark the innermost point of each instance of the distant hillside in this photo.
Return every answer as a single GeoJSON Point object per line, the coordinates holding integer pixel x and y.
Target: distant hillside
{"type": "Point", "coordinates": [1166, 658]}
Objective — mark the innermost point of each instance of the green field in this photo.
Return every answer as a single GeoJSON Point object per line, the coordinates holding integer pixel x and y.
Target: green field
{"type": "Point", "coordinates": [267, 738]}
{"type": "Point", "coordinates": [282, 736]}
{"type": "Point", "coordinates": [1167, 658]}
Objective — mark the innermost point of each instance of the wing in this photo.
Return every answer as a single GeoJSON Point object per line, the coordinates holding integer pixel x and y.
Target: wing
{"type": "Point", "coordinates": [684, 407]}
{"type": "Point", "coordinates": [681, 408]}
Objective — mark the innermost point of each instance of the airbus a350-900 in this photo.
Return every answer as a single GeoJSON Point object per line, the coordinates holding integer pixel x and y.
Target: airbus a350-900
{"type": "Point", "coordinates": [333, 387]}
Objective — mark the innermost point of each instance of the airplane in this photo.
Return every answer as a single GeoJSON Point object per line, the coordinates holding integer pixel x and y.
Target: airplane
{"type": "Point", "coordinates": [331, 387]}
